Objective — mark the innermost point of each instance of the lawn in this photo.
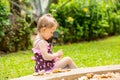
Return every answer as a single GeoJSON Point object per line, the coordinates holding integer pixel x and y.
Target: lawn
{"type": "Point", "coordinates": [85, 54]}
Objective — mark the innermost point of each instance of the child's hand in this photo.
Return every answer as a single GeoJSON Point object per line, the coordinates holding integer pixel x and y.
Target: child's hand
{"type": "Point", "coordinates": [60, 53]}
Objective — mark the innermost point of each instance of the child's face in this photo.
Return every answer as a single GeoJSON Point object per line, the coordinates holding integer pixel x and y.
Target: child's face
{"type": "Point", "coordinates": [47, 33]}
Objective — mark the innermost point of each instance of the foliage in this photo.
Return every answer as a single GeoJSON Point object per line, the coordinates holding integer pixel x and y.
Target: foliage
{"type": "Point", "coordinates": [17, 36]}
{"type": "Point", "coordinates": [4, 21]}
{"type": "Point", "coordinates": [87, 19]}
{"type": "Point", "coordinates": [14, 31]}
{"type": "Point", "coordinates": [87, 54]}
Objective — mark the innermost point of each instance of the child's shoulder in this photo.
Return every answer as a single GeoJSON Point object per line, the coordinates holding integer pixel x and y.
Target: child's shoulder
{"type": "Point", "coordinates": [43, 42]}
{"type": "Point", "coordinates": [40, 42]}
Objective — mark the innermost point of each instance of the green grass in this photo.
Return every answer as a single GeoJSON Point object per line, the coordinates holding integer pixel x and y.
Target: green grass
{"type": "Point", "coordinates": [85, 54]}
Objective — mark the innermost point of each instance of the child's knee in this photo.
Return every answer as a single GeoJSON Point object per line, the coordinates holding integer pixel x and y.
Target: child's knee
{"type": "Point", "coordinates": [68, 59]}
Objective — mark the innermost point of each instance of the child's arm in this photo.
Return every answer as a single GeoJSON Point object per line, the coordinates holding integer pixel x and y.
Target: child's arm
{"type": "Point", "coordinates": [60, 53]}
{"type": "Point", "coordinates": [44, 52]}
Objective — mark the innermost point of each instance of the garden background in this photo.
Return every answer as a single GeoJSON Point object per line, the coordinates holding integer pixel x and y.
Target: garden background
{"type": "Point", "coordinates": [88, 32]}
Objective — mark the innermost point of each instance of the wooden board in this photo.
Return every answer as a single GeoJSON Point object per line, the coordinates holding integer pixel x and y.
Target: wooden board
{"type": "Point", "coordinates": [73, 74]}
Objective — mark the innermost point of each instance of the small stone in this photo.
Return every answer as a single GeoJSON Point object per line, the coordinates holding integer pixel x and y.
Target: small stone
{"type": "Point", "coordinates": [41, 72]}
{"type": "Point", "coordinates": [89, 75]}
{"type": "Point", "coordinates": [35, 74]}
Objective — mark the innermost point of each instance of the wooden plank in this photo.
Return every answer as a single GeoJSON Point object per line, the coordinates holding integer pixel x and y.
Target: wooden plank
{"type": "Point", "coordinates": [73, 74]}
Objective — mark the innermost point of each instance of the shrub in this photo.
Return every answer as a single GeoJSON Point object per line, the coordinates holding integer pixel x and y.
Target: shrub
{"type": "Point", "coordinates": [4, 21]}
{"type": "Point", "coordinates": [14, 31]}
{"type": "Point", "coordinates": [86, 20]}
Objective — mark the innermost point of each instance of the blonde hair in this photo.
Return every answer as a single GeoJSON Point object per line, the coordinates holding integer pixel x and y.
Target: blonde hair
{"type": "Point", "coordinates": [47, 20]}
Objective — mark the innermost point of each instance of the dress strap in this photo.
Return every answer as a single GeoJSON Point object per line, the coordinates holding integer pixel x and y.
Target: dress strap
{"type": "Point", "coordinates": [35, 44]}
{"type": "Point", "coordinates": [36, 41]}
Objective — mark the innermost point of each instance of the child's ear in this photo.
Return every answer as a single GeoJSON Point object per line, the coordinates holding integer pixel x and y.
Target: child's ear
{"type": "Point", "coordinates": [43, 29]}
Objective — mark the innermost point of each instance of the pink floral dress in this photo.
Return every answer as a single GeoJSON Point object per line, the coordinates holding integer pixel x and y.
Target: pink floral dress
{"type": "Point", "coordinates": [42, 64]}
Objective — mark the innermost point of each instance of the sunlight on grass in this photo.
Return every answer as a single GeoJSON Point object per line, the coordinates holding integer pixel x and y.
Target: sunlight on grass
{"type": "Point", "coordinates": [94, 53]}
{"type": "Point", "coordinates": [85, 54]}
{"type": "Point", "coordinates": [16, 64]}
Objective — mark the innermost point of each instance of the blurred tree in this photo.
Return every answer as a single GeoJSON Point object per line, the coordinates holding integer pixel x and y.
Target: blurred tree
{"type": "Point", "coordinates": [41, 7]}
{"type": "Point", "coordinates": [55, 1]}
{"type": "Point", "coordinates": [16, 35]}
{"type": "Point", "coordinates": [14, 8]}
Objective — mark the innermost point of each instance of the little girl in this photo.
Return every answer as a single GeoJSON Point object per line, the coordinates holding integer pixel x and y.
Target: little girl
{"type": "Point", "coordinates": [45, 59]}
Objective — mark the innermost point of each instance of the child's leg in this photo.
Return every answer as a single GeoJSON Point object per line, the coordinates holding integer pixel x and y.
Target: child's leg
{"type": "Point", "coordinates": [67, 61]}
